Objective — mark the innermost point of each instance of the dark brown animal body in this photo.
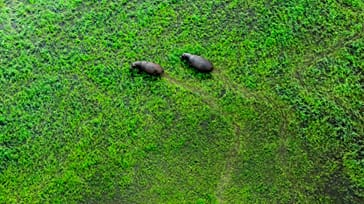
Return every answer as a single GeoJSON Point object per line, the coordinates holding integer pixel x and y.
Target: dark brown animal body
{"type": "Point", "coordinates": [148, 67]}
{"type": "Point", "coordinates": [197, 62]}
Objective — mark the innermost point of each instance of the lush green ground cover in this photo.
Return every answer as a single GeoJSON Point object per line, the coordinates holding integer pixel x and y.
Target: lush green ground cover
{"type": "Point", "coordinates": [279, 120]}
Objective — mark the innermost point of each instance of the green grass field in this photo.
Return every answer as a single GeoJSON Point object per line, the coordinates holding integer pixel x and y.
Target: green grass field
{"type": "Point", "coordinates": [279, 120]}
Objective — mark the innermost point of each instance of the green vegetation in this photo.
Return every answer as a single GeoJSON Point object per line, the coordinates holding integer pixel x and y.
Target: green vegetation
{"type": "Point", "coordinates": [280, 120]}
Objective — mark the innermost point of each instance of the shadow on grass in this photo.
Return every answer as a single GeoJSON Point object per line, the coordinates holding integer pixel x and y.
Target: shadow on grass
{"type": "Point", "coordinates": [144, 76]}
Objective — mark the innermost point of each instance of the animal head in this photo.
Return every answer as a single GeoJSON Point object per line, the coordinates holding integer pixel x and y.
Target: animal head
{"type": "Point", "coordinates": [161, 72]}
{"type": "Point", "coordinates": [184, 56]}
{"type": "Point", "coordinates": [134, 65]}
{"type": "Point", "coordinates": [138, 64]}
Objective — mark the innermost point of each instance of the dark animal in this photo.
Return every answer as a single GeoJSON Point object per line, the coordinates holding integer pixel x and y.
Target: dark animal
{"type": "Point", "coordinates": [148, 67]}
{"type": "Point", "coordinates": [197, 62]}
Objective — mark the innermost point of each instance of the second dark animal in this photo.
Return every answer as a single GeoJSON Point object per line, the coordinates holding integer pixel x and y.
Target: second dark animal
{"type": "Point", "coordinates": [148, 67]}
{"type": "Point", "coordinates": [197, 62]}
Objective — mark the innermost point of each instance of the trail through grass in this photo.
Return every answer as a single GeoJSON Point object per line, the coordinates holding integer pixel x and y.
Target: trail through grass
{"type": "Point", "coordinates": [279, 120]}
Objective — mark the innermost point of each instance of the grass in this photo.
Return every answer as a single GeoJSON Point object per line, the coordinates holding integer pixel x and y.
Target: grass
{"type": "Point", "coordinates": [279, 120]}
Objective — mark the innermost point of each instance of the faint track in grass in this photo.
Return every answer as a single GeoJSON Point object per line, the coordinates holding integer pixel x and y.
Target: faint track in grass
{"type": "Point", "coordinates": [232, 159]}
{"type": "Point", "coordinates": [237, 143]}
{"type": "Point", "coordinates": [236, 88]}
{"type": "Point", "coordinates": [261, 102]}
{"type": "Point", "coordinates": [330, 51]}
{"type": "Point", "coordinates": [311, 60]}
{"type": "Point", "coordinates": [12, 16]}
{"type": "Point", "coordinates": [209, 100]}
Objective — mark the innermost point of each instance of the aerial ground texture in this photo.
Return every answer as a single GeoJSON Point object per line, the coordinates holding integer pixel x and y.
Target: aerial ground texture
{"type": "Point", "coordinates": [279, 120]}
